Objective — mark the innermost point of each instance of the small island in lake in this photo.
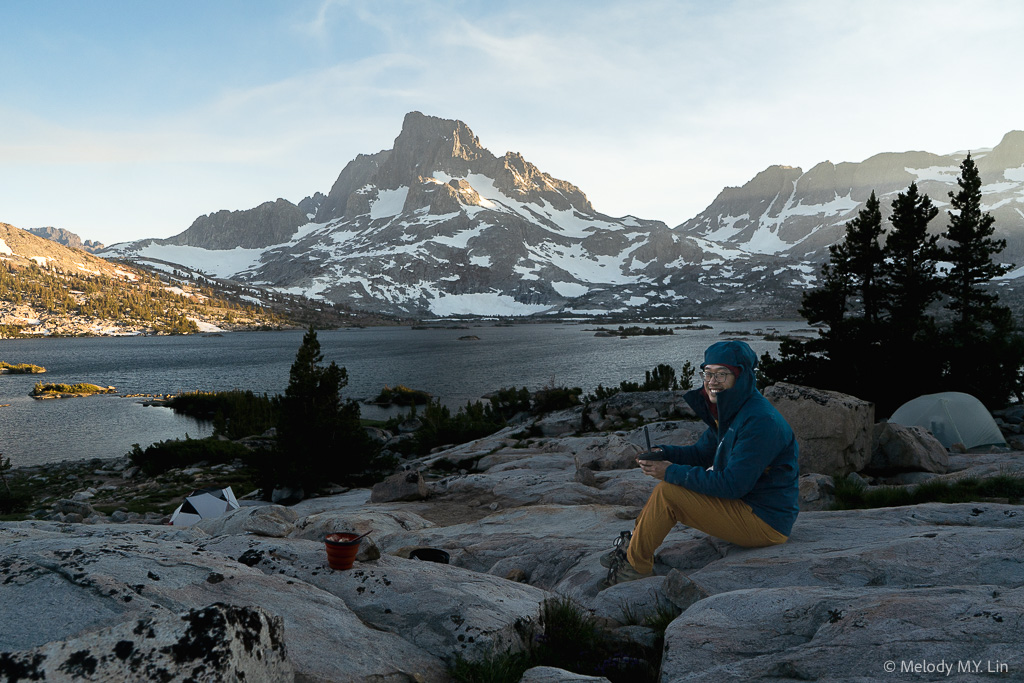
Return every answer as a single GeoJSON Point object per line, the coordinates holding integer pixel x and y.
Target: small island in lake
{"type": "Point", "coordinates": [41, 390]}
{"type": "Point", "coordinates": [20, 369]}
{"type": "Point", "coordinates": [632, 331]}
{"type": "Point", "coordinates": [401, 396]}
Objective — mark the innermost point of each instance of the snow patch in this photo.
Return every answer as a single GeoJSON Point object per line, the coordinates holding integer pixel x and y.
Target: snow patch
{"type": "Point", "coordinates": [483, 261]}
{"type": "Point", "coordinates": [40, 260]}
{"type": "Point", "coordinates": [718, 250]}
{"type": "Point", "coordinates": [567, 222]}
{"type": "Point", "coordinates": [945, 174]}
{"type": "Point", "coordinates": [995, 188]}
{"type": "Point", "coordinates": [388, 203]}
{"type": "Point", "coordinates": [765, 241]}
{"type": "Point", "coordinates": [1012, 275]}
{"type": "Point", "coordinates": [727, 228]}
{"type": "Point", "coordinates": [221, 263]}
{"type": "Point", "coordinates": [837, 207]}
{"type": "Point", "coordinates": [526, 272]}
{"type": "Point", "coordinates": [584, 266]}
{"type": "Point", "coordinates": [482, 304]}
{"type": "Point", "coordinates": [570, 290]}
{"type": "Point", "coordinates": [4, 249]}
{"type": "Point", "coordinates": [1014, 174]}
{"type": "Point", "coordinates": [1001, 202]}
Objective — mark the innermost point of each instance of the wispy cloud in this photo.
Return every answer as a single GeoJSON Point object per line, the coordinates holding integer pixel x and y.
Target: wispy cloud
{"type": "Point", "coordinates": [650, 107]}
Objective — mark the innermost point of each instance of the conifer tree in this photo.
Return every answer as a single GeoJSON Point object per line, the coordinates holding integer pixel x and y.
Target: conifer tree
{"type": "Point", "coordinates": [984, 348]}
{"type": "Point", "coordinates": [970, 252]}
{"type": "Point", "coordinates": [856, 261]}
{"type": "Point", "coordinates": [910, 270]}
{"type": "Point", "coordinates": [911, 286]}
{"type": "Point", "coordinates": [319, 436]}
{"type": "Point", "coordinates": [846, 352]}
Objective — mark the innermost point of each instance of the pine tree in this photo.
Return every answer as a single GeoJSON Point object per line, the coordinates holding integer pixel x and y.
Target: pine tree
{"type": "Point", "coordinates": [848, 303]}
{"type": "Point", "coordinates": [911, 276]}
{"type": "Point", "coordinates": [983, 347]}
{"type": "Point", "coordinates": [319, 436]}
{"type": "Point", "coordinates": [911, 285]}
{"type": "Point", "coordinates": [856, 261]}
{"type": "Point", "coordinates": [971, 250]}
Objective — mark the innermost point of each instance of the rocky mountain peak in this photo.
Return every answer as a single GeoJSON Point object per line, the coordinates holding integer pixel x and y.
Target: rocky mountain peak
{"type": "Point", "coordinates": [514, 176]}
{"type": "Point", "coordinates": [430, 149]}
{"type": "Point", "coordinates": [67, 238]}
{"type": "Point", "coordinates": [426, 144]}
{"type": "Point", "coordinates": [422, 134]}
{"type": "Point", "coordinates": [267, 224]}
{"type": "Point", "coordinates": [1006, 155]}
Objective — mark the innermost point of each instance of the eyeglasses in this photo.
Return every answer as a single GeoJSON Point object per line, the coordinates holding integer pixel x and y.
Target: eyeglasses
{"type": "Point", "coordinates": [721, 376]}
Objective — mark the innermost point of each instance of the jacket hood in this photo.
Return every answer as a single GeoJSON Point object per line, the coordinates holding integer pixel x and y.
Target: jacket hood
{"type": "Point", "coordinates": [736, 353]}
{"type": "Point", "coordinates": [740, 354]}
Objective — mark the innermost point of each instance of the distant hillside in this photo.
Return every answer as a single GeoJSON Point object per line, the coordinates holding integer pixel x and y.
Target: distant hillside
{"type": "Point", "coordinates": [49, 289]}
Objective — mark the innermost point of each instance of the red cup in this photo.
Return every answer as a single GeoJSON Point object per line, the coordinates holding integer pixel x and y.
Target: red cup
{"type": "Point", "coordinates": [342, 549]}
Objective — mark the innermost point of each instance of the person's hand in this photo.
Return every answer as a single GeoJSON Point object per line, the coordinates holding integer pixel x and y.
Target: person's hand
{"type": "Point", "coordinates": [654, 468]}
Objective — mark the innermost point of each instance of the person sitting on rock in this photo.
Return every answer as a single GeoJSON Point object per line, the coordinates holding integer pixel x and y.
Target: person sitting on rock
{"type": "Point", "coordinates": [738, 482]}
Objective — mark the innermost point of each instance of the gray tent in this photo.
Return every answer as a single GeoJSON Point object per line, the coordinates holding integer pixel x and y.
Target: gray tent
{"type": "Point", "coordinates": [211, 502]}
{"type": "Point", "coordinates": [953, 417]}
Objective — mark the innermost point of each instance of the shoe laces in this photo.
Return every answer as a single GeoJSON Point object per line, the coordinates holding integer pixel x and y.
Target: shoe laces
{"type": "Point", "coordinates": [619, 559]}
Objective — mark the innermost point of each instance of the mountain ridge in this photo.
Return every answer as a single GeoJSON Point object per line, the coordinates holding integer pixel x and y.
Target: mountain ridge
{"type": "Point", "coordinates": [811, 214]}
{"type": "Point", "coordinates": [67, 238]}
{"type": "Point", "coordinates": [440, 226]}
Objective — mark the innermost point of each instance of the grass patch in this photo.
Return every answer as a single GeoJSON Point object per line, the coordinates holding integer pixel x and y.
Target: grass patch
{"type": "Point", "coordinates": [661, 617]}
{"type": "Point", "coordinates": [569, 638]}
{"type": "Point", "coordinates": [851, 494]}
{"type": "Point", "coordinates": [82, 389]}
{"type": "Point", "coordinates": [21, 368]}
{"type": "Point", "coordinates": [502, 668]}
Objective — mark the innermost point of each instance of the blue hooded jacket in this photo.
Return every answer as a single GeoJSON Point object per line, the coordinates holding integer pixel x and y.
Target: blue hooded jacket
{"type": "Point", "coordinates": [751, 451]}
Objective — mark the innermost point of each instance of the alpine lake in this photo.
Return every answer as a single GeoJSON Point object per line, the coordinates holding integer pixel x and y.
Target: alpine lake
{"type": "Point", "coordinates": [454, 362]}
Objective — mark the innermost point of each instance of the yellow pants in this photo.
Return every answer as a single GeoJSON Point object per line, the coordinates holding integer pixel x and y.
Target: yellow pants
{"type": "Point", "coordinates": [730, 520]}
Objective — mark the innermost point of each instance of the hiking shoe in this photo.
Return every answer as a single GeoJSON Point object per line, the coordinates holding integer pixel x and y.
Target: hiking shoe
{"type": "Point", "coordinates": [614, 557]}
{"type": "Point", "coordinates": [621, 572]}
{"type": "Point", "coordinates": [618, 553]}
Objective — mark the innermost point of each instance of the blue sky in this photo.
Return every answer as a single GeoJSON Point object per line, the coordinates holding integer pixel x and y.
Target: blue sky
{"type": "Point", "coordinates": [128, 119]}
